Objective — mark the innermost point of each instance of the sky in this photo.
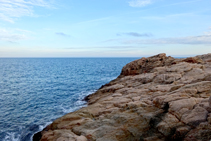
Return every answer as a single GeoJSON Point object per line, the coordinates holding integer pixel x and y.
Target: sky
{"type": "Point", "coordinates": [104, 28]}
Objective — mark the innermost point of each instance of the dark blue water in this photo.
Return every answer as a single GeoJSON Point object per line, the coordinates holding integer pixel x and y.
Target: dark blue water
{"type": "Point", "coordinates": [35, 91]}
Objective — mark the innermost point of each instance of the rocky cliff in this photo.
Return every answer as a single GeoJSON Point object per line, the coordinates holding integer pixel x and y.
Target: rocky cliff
{"type": "Point", "coordinates": [154, 99]}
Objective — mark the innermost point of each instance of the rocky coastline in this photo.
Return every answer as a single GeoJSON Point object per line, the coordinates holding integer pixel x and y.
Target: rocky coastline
{"type": "Point", "coordinates": [158, 98]}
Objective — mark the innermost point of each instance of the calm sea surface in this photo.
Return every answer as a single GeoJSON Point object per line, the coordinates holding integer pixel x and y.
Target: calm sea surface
{"type": "Point", "coordinates": [36, 91]}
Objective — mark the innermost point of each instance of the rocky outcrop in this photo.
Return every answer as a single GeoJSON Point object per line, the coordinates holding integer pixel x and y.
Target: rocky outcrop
{"type": "Point", "coordinates": [145, 65]}
{"type": "Point", "coordinates": [156, 98]}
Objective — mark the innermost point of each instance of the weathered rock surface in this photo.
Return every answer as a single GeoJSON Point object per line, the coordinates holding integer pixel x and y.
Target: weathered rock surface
{"type": "Point", "coordinates": [154, 99]}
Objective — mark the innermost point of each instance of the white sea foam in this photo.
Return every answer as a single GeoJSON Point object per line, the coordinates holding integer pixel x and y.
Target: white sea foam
{"type": "Point", "coordinates": [12, 137]}
{"type": "Point", "coordinates": [108, 78]}
{"type": "Point", "coordinates": [78, 104]}
{"type": "Point", "coordinates": [41, 127]}
{"type": "Point", "coordinates": [67, 110]}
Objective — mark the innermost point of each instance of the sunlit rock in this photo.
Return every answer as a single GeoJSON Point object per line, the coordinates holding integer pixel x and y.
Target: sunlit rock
{"type": "Point", "coordinates": [154, 99]}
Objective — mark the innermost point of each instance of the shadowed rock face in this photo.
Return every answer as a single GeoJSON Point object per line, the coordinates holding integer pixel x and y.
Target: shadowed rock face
{"type": "Point", "coordinates": [156, 98]}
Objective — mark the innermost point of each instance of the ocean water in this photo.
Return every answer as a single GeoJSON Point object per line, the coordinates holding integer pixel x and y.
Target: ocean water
{"type": "Point", "coordinates": [36, 91]}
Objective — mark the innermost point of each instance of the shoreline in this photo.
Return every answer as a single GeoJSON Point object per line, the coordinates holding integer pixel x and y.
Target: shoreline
{"type": "Point", "coordinates": [154, 98]}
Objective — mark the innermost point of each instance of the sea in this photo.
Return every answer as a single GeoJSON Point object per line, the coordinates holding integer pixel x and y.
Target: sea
{"type": "Point", "coordinates": [36, 91]}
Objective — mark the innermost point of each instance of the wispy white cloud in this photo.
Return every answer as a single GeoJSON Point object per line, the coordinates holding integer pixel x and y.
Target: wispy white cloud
{"type": "Point", "coordinates": [94, 21]}
{"type": "Point", "coordinates": [135, 34]}
{"type": "Point", "coordinates": [14, 35]}
{"type": "Point", "coordinates": [181, 3]}
{"type": "Point", "coordinates": [208, 32]}
{"type": "Point", "coordinates": [139, 3]}
{"type": "Point", "coordinates": [194, 40]}
{"type": "Point", "coordinates": [104, 47]}
{"type": "Point", "coordinates": [168, 16]}
{"type": "Point", "coordinates": [62, 34]}
{"type": "Point", "coordinates": [142, 3]}
{"type": "Point", "coordinates": [12, 9]}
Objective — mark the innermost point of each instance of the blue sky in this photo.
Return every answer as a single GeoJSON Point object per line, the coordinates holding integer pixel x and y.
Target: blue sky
{"type": "Point", "coordinates": [104, 28]}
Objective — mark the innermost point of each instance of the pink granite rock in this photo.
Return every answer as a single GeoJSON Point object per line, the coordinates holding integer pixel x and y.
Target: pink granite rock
{"type": "Point", "coordinates": [155, 98]}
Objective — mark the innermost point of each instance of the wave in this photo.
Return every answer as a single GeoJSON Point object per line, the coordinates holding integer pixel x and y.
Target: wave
{"type": "Point", "coordinates": [41, 127]}
{"type": "Point", "coordinates": [26, 134]}
{"type": "Point", "coordinates": [107, 78]}
{"type": "Point", "coordinates": [79, 103]}
{"type": "Point", "coordinates": [12, 137]}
